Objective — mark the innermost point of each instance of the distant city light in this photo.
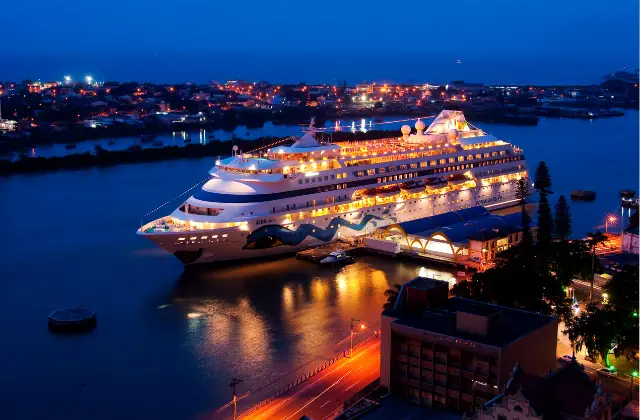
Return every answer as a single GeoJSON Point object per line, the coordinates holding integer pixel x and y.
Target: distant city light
{"type": "Point", "coordinates": [67, 79]}
{"type": "Point", "coordinates": [88, 79]}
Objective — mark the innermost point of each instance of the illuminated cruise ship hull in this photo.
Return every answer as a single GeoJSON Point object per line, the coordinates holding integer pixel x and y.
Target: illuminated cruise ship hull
{"type": "Point", "coordinates": [309, 194]}
{"type": "Point", "coordinates": [278, 236]}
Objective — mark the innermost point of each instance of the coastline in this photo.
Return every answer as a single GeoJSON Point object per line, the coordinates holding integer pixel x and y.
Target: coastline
{"type": "Point", "coordinates": [103, 158]}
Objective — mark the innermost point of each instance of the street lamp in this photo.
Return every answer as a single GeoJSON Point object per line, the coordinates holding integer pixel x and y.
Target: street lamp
{"type": "Point", "coordinates": [351, 334]}
{"type": "Point", "coordinates": [67, 79]}
{"type": "Point", "coordinates": [232, 385]}
{"type": "Point", "coordinates": [88, 79]}
{"type": "Point", "coordinates": [610, 219]}
{"type": "Point", "coordinates": [634, 374]}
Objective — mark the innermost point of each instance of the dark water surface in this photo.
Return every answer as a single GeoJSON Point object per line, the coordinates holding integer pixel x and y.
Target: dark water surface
{"type": "Point", "coordinates": [168, 341]}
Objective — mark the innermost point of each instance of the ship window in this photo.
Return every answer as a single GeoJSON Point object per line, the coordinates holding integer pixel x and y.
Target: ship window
{"type": "Point", "coordinates": [204, 237]}
{"type": "Point", "coordinates": [299, 181]}
{"type": "Point", "coordinates": [344, 175]}
{"type": "Point", "coordinates": [333, 176]}
{"type": "Point", "coordinates": [306, 181]}
{"type": "Point", "coordinates": [470, 157]}
{"type": "Point", "coordinates": [486, 155]}
{"type": "Point", "coordinates": [181, 239]}
{"type": "Point", "coordinates": [452, 160]}
{"type": "Point", "coordinates": [460, 158]}
{"type": "Point", "coordinates": [443, 161]}
{"type": "Point", "coordinates": [478, 156]}
{"type": "Point", "coordinates": [339, 176]}
{"type": "Point", "coordinates": [326, 177]}
{"type": "Point", "coordinates": [224, 235]}
{"type": "Point", "coordinates": [494, 154]}
{"type": "Point", "coordinates": [423, 164]}
{"type": "Point", "coordinates": [215, 236]}
{"type": "Point", "coordinates": [193, 238]}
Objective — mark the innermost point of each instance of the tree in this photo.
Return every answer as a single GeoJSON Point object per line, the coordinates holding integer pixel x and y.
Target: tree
{"type": "Point", "coordinates": [522, 192]}
{"type": "Point", "coordinates": [613, 324]}
{"type": "Point", "coordinates": [542, 181]}
{"type": "Point", "coordinates": [542, 184]}
{"type": "Point", "coordinates": [392, 295]}
{"type": "Point", "coordinates": [562, 222]}
{"type": "Point", "coordinates": [594, 239]}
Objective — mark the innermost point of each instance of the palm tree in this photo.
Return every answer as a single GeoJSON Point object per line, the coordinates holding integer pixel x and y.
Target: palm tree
{"type": "Point", "coordinates": [392, 295]}
{"type": "Point", "coordinates": [593, 240]}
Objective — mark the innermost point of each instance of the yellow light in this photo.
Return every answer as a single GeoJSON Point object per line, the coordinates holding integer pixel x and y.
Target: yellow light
{"type": "Point", "coordinates": [362, 326]}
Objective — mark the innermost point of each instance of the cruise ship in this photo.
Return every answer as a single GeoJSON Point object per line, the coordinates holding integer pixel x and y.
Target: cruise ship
{"type": "Point", "coordinates": [290, 197]}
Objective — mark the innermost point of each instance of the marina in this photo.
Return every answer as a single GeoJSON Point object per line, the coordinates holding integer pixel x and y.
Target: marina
{"type": "Point", "coordinates": [180, 336]}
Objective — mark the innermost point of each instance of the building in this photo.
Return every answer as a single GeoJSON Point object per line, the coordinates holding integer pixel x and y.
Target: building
{"type": "Point", "coordinates": [630, 240]}
{"type": "Point", "coordinates": [471, 234]}
{"type": "Point", "coordinates": [567, 393]}
{"type": "Point", "coordinates": [458, 353]}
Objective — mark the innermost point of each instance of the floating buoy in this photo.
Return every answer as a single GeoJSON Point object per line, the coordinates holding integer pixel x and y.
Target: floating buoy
{"type": "Point", "coordinates": [72, 320]}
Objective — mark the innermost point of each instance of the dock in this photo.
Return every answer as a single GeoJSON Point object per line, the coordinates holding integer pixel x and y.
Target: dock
{"type": "Point", "coordinates": [318, 253]}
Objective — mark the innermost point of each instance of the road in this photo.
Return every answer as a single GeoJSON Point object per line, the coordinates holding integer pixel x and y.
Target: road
{"type": "Point", "coordinates": [324, 394]}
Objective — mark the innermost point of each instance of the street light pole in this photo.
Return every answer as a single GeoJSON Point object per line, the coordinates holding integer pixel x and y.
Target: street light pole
{"type": "Point", "coordinates": [234, 382]}
{"type": "Point", "coordinates": [351, 335]}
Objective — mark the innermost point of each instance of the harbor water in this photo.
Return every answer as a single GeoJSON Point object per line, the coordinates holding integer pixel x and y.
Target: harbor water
{"type": "Point", "coordinates": [167, 340]}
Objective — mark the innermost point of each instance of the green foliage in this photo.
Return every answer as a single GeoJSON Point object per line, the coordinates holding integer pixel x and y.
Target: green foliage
{"type": "Point", "coordinates": [562, 222]}
{"type": "Point", "coordinates": [545, 221]}
{"type": "Point", "coordinates": [602, 326]}
{"type": "Point", "coordinates": [392, 295]}
{"type": "Point", "coordinates": [519, 281]}
{"type": "Point", "coordinates": [522, 192]}
{"type": "Point", "coordinates": [542, 181]}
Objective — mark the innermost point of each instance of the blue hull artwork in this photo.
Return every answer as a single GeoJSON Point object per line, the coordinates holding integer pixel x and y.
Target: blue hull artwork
{"type": "Point", "coordinates": [275, 235]}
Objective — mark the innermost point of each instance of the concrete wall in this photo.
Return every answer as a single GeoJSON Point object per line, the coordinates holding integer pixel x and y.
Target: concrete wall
{"type": "Point", "coordinates": [385, 350]}
{"type": "Point", "coordinates": [536, 353]}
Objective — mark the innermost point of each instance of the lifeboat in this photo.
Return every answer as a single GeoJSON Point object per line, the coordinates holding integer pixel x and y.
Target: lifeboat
{"type": "Point", "coordinates": [413, 187]}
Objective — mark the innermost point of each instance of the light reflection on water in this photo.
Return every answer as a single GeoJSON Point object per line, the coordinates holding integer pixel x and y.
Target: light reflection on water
{"type": "Point", "coordinates": [266, 318]}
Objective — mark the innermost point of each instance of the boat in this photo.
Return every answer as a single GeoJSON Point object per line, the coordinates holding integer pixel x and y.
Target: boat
{"type": "Point", "coordinates": [70, 146]}
{"type": "Point", "coordinates": [157, 143]}
{"type": "Point", "coordinates": [583, 195]}
{"type": "Point", "coordinates": [111, 142]}
{"type": "Point", "coordinates": [337, 258]}
{"type": "Point", "coordinates": [302, 192]}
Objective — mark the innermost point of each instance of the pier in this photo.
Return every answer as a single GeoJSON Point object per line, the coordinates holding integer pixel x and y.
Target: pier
{"type": "Point", "coordinates": [317, 254]}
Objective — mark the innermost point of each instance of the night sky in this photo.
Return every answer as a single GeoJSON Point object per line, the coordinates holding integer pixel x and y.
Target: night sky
{"type": "Point", "coordinates": [542, 41]}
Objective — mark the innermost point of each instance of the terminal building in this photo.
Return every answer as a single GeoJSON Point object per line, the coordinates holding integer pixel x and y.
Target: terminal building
{"type": "Point", "coordinates": [458, 353]}
{"type": "Point", "coordinates": [471, 235]}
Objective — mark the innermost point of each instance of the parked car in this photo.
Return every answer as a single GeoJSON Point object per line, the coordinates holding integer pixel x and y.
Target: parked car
{"type": "Point", "coordinates": [608, 371]}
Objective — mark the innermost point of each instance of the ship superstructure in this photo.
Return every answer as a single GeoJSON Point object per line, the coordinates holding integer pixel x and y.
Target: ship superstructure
{"type": "Point", "coordinates": [309, 193]}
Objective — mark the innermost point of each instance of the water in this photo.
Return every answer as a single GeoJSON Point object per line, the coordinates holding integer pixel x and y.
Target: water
{"type": "Point", "coordinates": [69, 240]}
{"type": "Point", "coordinates": [203, 136]}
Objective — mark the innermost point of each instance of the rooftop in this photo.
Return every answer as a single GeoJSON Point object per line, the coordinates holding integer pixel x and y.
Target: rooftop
{"type": "Point", "coordinates": [567, 391]}
{"type": "Point", "coordinates": [508, 326]}
{"type": "Point", "coordinates": [460, 226]}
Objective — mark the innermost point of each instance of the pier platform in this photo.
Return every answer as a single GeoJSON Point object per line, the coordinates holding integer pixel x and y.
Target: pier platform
{"type": "Point", "coordinates": [319, 253]}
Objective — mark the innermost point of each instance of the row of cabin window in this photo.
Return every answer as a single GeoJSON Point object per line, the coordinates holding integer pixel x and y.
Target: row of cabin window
{"type": "Point", "coordinates": [370, 172]}
{"type": "Point", "coordinates": [326, 178]}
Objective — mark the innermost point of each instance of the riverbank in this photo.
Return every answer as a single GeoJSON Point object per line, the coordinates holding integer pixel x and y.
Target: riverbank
{"type": "Point", "coordinates": [136, 154]}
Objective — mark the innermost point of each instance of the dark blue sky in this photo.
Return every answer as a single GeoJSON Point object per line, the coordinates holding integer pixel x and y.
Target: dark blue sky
{"type": "Point", "coordinates": [542, 41]}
